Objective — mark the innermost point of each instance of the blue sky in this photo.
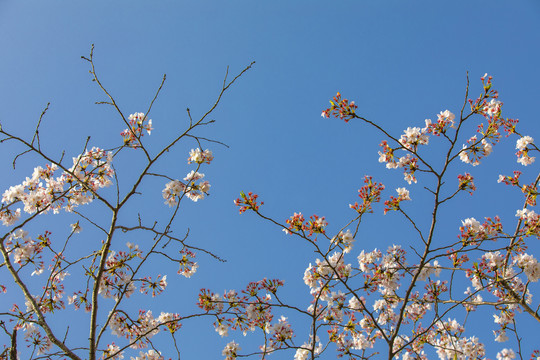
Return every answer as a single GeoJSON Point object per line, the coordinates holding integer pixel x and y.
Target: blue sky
{"type": "Point", "coordinates": [401, 61]}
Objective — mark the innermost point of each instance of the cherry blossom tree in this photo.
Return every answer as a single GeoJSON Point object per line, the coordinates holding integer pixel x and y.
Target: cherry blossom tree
{"type": "Point", "coordinates": [412, 300]}
{"type": "Point", "coordinates": [407, 302]}
{"type": "Point", "coordinates": [109, 272]}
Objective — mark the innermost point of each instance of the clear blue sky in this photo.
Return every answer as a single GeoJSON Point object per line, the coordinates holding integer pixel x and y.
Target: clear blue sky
{"type": "Point", "coordinates": [402, 61]}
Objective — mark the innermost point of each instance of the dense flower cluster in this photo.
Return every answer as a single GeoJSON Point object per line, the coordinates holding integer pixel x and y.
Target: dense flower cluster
{"type": "Point", "coordinates": [117, 279]}
{"type": "Point", "coordinates": [112, 352]}
{"type": "Point", "coordinates": [414, 137]}
{"type": "Point", "coordinates": [43, 192]}
{"type": "Point", "coordinates": [25, 250]}
{"type": "Point", "coordinates": [345, 240]}
{"type": "Point", "coordinates": [466, 182]}
{"type": "Point", "coordinates": [230, 350]}
{"type": "Point", "coordinates": [531, 222]}
{"type": "Point", "coordinates": [33, 335]}
{"type": "Point", "coordinates": [150, 355]}
{"type": "Point", "coordinates": [409, 163]}
{"type": "Point", "coordinates": [315, 224]}
{"type": "Point", "coordinates": [369, 193]}
{"type": "Point", "coordinates": [341, 108]}
{"type": "Point", "coordinates": [476, 150]}
{"type": "Point", "coordinates": [249, 310]}
{"type": "Point", "coordinates": [248, 201]}
{"type": "Point", "coordinates": [155, 287]}
{"type": "Point", "coordinates": [137, 123]}
{"type": "Point", "coordinates": [198, 156]}
{"type": "Point", "coordinates": [304, 351]}
{"type": "Point", "coordinates": [393, 203]}
{"type": "Point", "coordinates": [192, 188]}
{"type": "Point", "coordinates": [140, 330]}
{"type": "Point", "coordinates": [445, 120]}
{"type": "Point", "coordinates": [188, 267]}
{"type": "Point", "coordinates": [523, 150]}
{"type": "Point", "coordinates": [472, 231]}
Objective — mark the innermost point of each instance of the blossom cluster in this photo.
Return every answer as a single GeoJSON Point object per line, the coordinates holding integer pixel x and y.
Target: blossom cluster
{"type": "Point", "coordinates": [139, 331]}
{"type": "Point", "coordinates": [304, 351]}
{"type": "Point", "coordinates": [490, 108]}
{"type": "Point", "coordinates": [408, 163]}
{"type": "Point", "coordinates": [231, 350]}
{"type": "Point", "coordinates": [466, 182]}
{"type": "Point", "coordinates": [117, 279]}
{"type": "Point", "coordinates": [473, 231]}
{"type": "Point", "coordinates": [249, 310]}
{"type": "Point", "coordinates": [345, 240]}
{"type": "Point", "coordinates": [529, 190]}
{"type": "Point", "coordinates": [445, 120]}
{"type": "Point", "coordinates": [33, 336]}
{"type": "Point", "coordinates": [155, 287]}
{"type": "Point", "coordinates": [188, 267]}
{"type": "Point", "coordinates": [501, 278]}
{"type": "Point", "coordinates": [25, 250]}
{"type": "Point", "coordinates": [393, 203]}
{"type": "Point", "coordinates": [43, 191]}
{"type": "Point", "coordinates": [414, 137]}
{"type": "Point", "coordinates": [315, 224]}
{"type": "Point", "coordinates": [531, 222]}
{"type": "Point", "coordinates": [369, 193]}
{"type": "Point", "coordinates": [475, 150]}
{"type": "Point", "coordinates": [248, 201]}
{"type": "Point", "coordinates": [150, 355]}
{"type": "Point", "coordinates": [530, 266]}
{"type": "Point", "coordinates": [342, 108]}
{"type": "Point", "coordinates": [198, 156]}
{"type": "Point", "coordinates": [193, 189]}
{"type": "Point", "coordinates": [137, 123]}
{"type": "Point", "coordinates": [522, 145]}
{"type": "Point", "coordinates": [355, 327]}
